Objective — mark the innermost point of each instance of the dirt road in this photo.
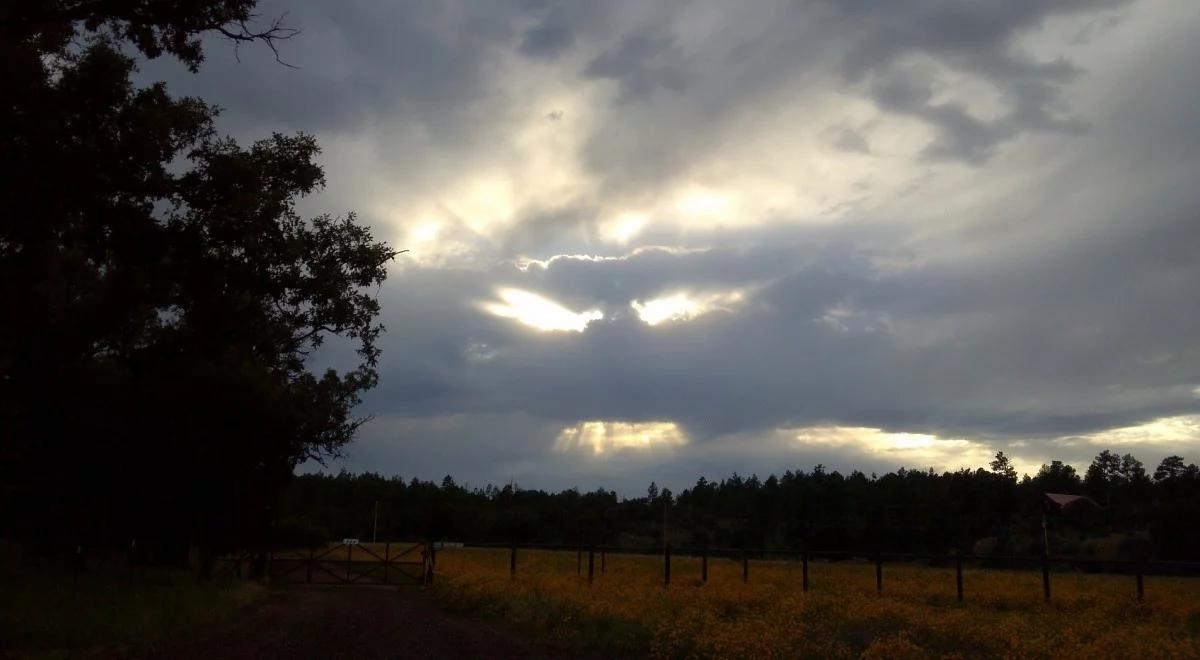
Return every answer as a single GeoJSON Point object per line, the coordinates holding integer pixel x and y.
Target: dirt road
{"type": "Point", "coordinates": [353, 622]}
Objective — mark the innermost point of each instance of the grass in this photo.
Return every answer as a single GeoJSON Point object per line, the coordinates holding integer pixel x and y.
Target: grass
{"type": "Point", "coordinates": [50, 614]}
{"type": "Point", "coordinates": [628, 611]}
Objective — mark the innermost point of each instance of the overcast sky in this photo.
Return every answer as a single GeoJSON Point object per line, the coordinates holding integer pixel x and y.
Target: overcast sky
{"type": "Point", "coordinates": [655, 240]}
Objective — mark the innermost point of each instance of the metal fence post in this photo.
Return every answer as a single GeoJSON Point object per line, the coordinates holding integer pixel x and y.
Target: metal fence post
{"type": "Point", "coordinates": [603, 559]}
{"type": "Point", "coordinates": [308, 572]}
{"type": "Point", "coordinates": [704, 567]}
{"type": "Point", "coordinates": [804, 571]}
{"type": "Point", "coordinates": [745, 566]}
{"type": "Point", "coordinates": [878, 574]}
{"type": "Point", "coordinates": [349, 552]}
{"type": "Point", "coordinates": [591, 564]}
{"type": "Point", "coordinates": [512, 561]}
{"type": "Point", "coordinates": [387, 553]}
{"type": "Point", "coordinates": [958, 573]}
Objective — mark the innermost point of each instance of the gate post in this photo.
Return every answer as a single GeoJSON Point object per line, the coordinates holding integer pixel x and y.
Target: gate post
{"type": "Point", "coordinates": [349, 552]}
{"type": "Point", "coordinates": [387, 553]}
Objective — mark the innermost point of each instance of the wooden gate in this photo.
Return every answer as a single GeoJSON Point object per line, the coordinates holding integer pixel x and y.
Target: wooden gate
{"type": "Point", "coordinates": [401, 564]}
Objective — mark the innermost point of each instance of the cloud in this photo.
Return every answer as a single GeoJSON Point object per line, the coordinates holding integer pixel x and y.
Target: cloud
{"type": "Point", "coordinates": [600, 437]}
{"type": "Point", "coordinates": [539, 312]}
{"type": "Point", "coordinates": [947, 222]}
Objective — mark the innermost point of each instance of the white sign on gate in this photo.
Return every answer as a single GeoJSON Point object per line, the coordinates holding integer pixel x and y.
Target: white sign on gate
{"type": "Point", "coordinates": [349, 541]}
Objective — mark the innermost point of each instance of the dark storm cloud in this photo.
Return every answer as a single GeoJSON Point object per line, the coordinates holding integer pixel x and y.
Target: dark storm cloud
{"type": "Point", "coordinates": [1035, 347]}
{"type": "Point", "coordinates": [641, 63]}
{"type": "Point", "coordinates": [356, 62]}
{"type": "Point", "coordinates": [976, 38]}
{"type": "Point", "coordinates": [1053, 306]}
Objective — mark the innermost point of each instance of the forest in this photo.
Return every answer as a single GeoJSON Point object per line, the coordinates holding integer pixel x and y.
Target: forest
{"type": "Point", "coordinates": [987, 511]}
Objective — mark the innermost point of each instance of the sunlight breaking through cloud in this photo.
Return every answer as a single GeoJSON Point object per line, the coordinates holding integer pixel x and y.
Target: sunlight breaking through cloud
{"type": "Point", "coordinates": [910, 449]}
{"type": "Point", "coordinates": [539, 312]}
{"type": "Point", "coordinates": [683, 306]}
{"type": "Point", "coordinates": [601, 437]}
{"type": "Point", "coordinates": [1179, 430]}
{"type": "Point", "coordinates": [623, 228]}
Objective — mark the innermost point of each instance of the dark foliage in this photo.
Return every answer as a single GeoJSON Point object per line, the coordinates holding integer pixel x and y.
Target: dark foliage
{"type": "Point", "coordinates": [161, 294]}
{"type": "Point", "coordinates": [905, 511]}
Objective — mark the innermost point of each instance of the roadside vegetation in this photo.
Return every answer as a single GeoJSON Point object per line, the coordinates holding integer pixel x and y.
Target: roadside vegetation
{"type": "Point", "coordinates": [56, 614]}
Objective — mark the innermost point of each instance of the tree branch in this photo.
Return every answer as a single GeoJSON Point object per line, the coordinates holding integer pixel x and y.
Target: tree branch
{"type": "Point", "coordinates": [276, 32]}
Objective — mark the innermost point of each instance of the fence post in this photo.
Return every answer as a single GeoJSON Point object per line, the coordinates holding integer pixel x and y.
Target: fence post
{"type": "Point", "coordinates": [603, 559]}
{"type": "Point", "coordinates": [878, 573]}
{"type": "Point", "coordinates": [308, 572]}
{"type": "Point", "coordinates": [349, 552]}
{"type": "Point", "coordinates": [591, 563]}
{"type": "Point", "coordinates": [745, 566]}
{"type": "Point", "coordinates": [430, 562]}
{"type": "Point", "coordinates": [1045, 575]}
{"type": "Point", "coordinates": [512, 561]}
{"type": "Point", "coordinates": [804, 571]}
{"type": "Point", "coordinates": [704, 567]}
{"type": "Point", "coordinates": [1141, 570]}
{"type": "Point", "coordinates": [579, 557]}
{"type": "Point", "coordinates": [958, 573]}
{"type": "Point", "coordinates": [387, 553]}
{"type": "Point", "coordinates": [667, 564]}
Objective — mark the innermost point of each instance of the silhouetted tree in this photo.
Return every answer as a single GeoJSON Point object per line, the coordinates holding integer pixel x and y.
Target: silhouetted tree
{"type": "Point", "coordinates": [1002, 467]}
{"type": "Point", "coordinates": [162, 295]}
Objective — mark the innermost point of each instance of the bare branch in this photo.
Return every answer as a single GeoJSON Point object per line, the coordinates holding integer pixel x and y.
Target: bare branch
{"type": "Point", "coordinates": [276, 32]}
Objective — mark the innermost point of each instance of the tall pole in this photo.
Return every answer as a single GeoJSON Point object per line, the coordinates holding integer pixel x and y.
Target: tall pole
{"type": "Point", "coordinates": [375, 527]}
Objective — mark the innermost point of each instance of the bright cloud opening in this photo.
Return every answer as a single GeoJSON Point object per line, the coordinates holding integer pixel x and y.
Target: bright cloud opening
{"type": "Point", "coordinates": [623, 228]}
{"type": "Point", "coordinates": [1179, 430]}
{"type": "Point", "coordinates": [909, 449]}
{"type": "Point", "coordinates": [684, 306]}
{"type": "Point", "coordinates": [703, 204]}
{"type": "Point", "coordinates": [539, 312]}
{"type": "Point", "coordinates": [601, 437]}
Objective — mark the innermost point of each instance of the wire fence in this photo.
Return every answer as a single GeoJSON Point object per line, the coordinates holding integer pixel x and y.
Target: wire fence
{"type": "Point", "coordinates": [592, 560]}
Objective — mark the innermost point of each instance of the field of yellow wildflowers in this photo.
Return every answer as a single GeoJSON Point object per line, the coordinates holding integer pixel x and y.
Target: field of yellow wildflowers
{"type": "Point", "coordinates": [628, 611]}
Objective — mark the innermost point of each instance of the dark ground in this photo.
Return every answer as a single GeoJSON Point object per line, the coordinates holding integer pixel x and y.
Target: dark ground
{"type": "Point", "coordinates": [352, 622]}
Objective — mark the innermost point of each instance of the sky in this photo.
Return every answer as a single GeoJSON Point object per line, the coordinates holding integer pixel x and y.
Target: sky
{"type": "Point", "coordinates": [654, 241]}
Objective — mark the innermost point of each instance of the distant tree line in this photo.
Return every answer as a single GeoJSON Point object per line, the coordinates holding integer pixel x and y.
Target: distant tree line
{"type": "Point", "coordinates": [990, 511]}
